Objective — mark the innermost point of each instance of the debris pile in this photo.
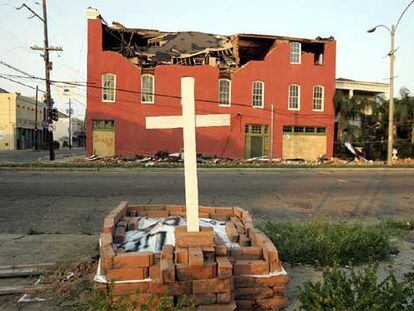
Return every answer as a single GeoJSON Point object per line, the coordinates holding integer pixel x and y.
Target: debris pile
{"type": "Point", "coordinates": [163, 158]}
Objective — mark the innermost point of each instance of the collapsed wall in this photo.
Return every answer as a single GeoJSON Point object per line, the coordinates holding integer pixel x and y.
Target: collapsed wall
{"type": "Point", "coordinates": [211, 270]}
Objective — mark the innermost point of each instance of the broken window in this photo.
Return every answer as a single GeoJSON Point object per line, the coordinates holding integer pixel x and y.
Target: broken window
{"type": "Point", "coordinates": [147, 89]}
{"type": "Point", "coordinates": [294, 97]}
{"type": "Point", "coordinates": [224, 92]}
{"type": "Point", "coordinates": [257, 94]}
{"type": "Point", "coordinates": [108, 87]}
{"type": "Point", "coordinates": [295, 49]}
{"type": "Point", "coordinates": [315, 48]}
{"type": "Point", "coordinates": [318, 97]}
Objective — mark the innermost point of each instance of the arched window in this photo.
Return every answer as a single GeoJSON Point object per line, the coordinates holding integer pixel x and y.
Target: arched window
{"type": "Point", "coordinates": [294, 97]}
{"type": "Point", "coordinates": [257, 94]}
{"type": "Point", "coordinates": [224, 92]}
{"type": "Point", "coordinates": [295, 50]}
{"type": "Point", "coordinates": [147, 89]}
{"type": "Point", "coordinates": [318, 98]}
{"type": "Point", "coordinates": [108, 87]}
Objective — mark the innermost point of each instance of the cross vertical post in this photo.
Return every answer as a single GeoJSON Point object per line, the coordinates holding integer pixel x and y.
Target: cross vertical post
{"type": "Point", "coordinates": [190, 154]}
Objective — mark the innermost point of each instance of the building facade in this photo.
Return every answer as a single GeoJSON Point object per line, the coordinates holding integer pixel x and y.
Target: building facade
{"type": "Point", "coordinates": [279, 91]}
{"type": "Point", "coordinates": [20, 124]}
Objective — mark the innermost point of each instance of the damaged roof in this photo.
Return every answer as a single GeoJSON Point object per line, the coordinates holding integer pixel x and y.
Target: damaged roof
{"type": "Point", "coordinates": [149, 47]}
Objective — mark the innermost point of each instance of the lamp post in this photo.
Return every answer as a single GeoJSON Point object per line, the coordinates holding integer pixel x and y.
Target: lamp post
{"type": "Point", "coordinates": [391, 54]}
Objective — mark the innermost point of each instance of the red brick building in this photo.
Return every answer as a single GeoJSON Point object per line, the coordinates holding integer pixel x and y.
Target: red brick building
{"type": "Point", "coordinates": [278, 90]}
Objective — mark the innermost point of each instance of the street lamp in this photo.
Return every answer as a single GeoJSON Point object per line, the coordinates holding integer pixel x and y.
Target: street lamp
{"type": "Point", "coordinates": [392, 57]}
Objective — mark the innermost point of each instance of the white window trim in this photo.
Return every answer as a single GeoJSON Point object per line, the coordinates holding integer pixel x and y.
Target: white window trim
{"type": "Point", "coordinates": [102, 84]}
{"type": "Point", "coordinates": [263, 93]}
{"type": "Point", "coordinates": [300, 53]}
{"type": "Point", "coordinates": [294, 109]}
{"type": "Point", "coordinates": [153, 88]}
{"type": "Point", "coordinates": [224, 105]}
{"type": "Point", "coordinates": [323, 98]}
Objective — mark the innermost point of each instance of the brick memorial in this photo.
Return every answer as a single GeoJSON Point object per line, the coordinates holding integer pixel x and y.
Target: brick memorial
{"type": "Point", "coordinates": [199, 266]}
{"type": "Point", "coordinates": [210, 257]}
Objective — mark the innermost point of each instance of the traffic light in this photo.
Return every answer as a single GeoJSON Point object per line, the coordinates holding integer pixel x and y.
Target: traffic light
{"type": "Point", "coordinates": [54, 114]}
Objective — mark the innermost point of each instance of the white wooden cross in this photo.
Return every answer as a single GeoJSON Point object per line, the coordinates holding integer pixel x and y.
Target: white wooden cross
{"type": "Point", "coordinates": [189, 121]}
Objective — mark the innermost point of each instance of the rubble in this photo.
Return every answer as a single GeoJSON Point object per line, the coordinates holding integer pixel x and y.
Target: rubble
{"type": "Point", "coordinates": [163, 158]}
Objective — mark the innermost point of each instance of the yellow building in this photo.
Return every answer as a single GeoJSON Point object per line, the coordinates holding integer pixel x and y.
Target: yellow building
{"type": "Point", "coordinates": [17, 121]}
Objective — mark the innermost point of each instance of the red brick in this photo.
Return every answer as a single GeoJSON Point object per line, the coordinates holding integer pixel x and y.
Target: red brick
{"type": "Point", "coordinates": [224, 268]}
{"type": "Point", "coordinates": [133, 223]}
{"type": "Point", "coordinates": [167, 271]}
{"type": "Point", "coordinates": [271, 255]}
{"type": "Point", "coordinates": [155, 272]}
{"type": "Point", "coordinates": [158, 214]}
{"type": "Point", "coordinates": [185, 272]}
{"type": "Point", "coordinates": [219, 217]}
{"type": "Point", "coordinates": [106, 239]}
{"type": "Point", "coordinates": [232, 233]}
{"type": "Point", "coordinates": [272, 303]}
{"type": "Point", "coordinates": [250, 267]}
{"type": "Point", "coordinates": [174, 289]}
{"type": "Point", "coordinates": [167, 251]}
{"type": "Point", "coordinates": [174, 208]}
{"type": "Point", "coordinates": [239, 225]}
{"type": "Point", "coordinates": [207, 209]}
{"type": "Point", "coordinates": [127, 274]}
{"type": "Point", "coordinates": [119, 235]}
{"type": "Point", "coordinates": [244, 305]}
{"type": "Point", "coordinates": [181, 255]}
{"type": "Point", "coordinates": [107, 255]}
{"type": "Point", "coordinates": [181, 214]}
{"type": "Point", "coordinates": [238, 212]}
{"type": "Point", "coordinates": [225, 297]}
{"type": "Point", "coordinates": [244, 240]}
{"type": "Point", "coordinates": [247, 253]}
{"type": "Point", "coordinates": [195, 256]}
{"type": "Point", "coordinates": [221, 249]}
{"type": "Point", "coordinates": [252, 293]}
{"type": "Point", "coordinates": [203, 215]}
{"type": "Point", "coordinates": [263, 281]}
{"type": "Point", "coordinates": [212, 286]}
{"type": "Point", "coordinates": [203, 299]}
{"type": "Point", "coordinates": [224, 211]}
{"type": "Point", "coordinates": [130, 288]}
{"type": "Point", "coordinates": [140, 208]}
{"type": "Point", "coordinates": [109, 224]}
{"type": "Point", "coordinates": [222, 307]}
{"type": "Point", "coordinates": [194, 239]}
{"type": "Point", "coordinates": [134, 260]}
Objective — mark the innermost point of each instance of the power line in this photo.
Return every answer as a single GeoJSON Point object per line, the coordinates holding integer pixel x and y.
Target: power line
{"type": "Point", "coordinates": [21, 83]}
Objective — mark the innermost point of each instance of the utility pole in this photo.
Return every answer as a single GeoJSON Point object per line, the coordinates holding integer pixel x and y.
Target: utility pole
{"type": "Point", "coordinates": [48, 67]}
{"type": "Point", "coordinates": [35, 126]}
{"type": "Point", "coordinates": [391, 108]}
{"type": "Point", "coordinates": [70, 125]}
{"type": "Point", "coordinates": [391, 54]}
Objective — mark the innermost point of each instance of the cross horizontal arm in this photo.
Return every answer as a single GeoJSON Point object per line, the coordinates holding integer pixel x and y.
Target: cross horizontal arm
{"type": "Point", "coordinates": [171, 122]}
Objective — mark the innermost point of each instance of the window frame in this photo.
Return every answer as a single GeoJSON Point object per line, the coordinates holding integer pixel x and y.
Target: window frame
{"type": "Point", "coordinates": [262, 93]}
{"type": "Point", "coordinates": [322, 98]}
{"type": "Point", "coordinates": [299, 52]}
{"type": "Point", "coordinates": [289, 97]}
{"type": "Point", "coordinates": [221, 104]}
{"type": "Point", "coordinates": [108, 88]}
{"type": "Point", "coordinates": [152, 86]}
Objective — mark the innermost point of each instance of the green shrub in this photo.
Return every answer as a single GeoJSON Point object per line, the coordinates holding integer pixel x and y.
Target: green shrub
{"type": "Point", "coordinates": [322, 243]}
{"type": "Point", "coordinates": [358, 291]}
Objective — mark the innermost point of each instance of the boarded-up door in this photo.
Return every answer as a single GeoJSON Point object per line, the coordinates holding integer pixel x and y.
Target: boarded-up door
{"type": "Point", "coordinates": [256, 142]}
{"type": "Point", "coordinates": [104, 137]}
{"type": "Point", "coordinates": [300, 142]}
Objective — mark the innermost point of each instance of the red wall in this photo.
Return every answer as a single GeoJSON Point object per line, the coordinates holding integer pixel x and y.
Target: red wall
{"type": "Point", "coordinates": [275, 71]}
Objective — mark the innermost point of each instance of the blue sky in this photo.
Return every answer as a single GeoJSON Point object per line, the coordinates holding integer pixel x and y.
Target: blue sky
{"type": "Point", "coordinates": [360, 55]}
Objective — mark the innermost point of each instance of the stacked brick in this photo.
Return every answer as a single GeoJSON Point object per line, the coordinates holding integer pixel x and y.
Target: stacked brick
{"type": "Point", "coordinates": [199, 269]}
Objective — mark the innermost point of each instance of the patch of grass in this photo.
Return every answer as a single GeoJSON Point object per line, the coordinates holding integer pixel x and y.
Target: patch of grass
{"type": "Point", "coordinates": [358, 291]}
{"type": "Point", "coordinates": [398, 226]}
{"type": "Point", "coordinates": [324, 243]}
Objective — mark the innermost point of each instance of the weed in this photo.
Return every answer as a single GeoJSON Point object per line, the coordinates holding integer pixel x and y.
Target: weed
{"type": "Point", "coordinates": [358, 291]}
{"type": "Point", "coordinates": [323, 243]}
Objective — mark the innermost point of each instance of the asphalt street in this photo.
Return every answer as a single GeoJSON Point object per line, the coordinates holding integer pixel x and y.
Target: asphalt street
{"type": "Point", "coordinates": [76, 202]}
